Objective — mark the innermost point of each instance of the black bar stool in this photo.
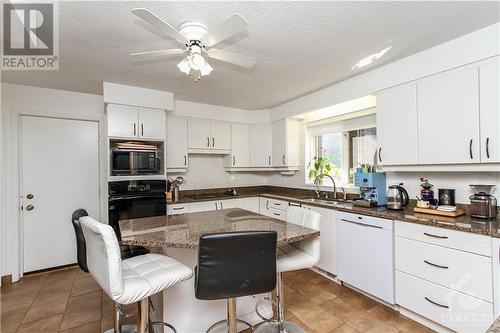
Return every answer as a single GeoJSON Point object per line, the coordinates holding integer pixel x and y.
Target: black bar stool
{"type": "Point", "coordinates": [235, 264]}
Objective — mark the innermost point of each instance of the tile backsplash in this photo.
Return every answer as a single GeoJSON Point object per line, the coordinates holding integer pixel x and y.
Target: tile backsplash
{"type": "Point", "coordinates": [207, 171]}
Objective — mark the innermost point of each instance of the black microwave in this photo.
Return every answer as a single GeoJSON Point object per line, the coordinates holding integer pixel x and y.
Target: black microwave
{"type": "Point", "coordinates": [128, 162]}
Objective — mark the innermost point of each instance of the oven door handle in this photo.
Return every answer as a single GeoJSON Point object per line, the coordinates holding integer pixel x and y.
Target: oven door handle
{"type": "Point", "coordinates": [136, 197]}
{"type": "Point", "coordinates": [157, 165]}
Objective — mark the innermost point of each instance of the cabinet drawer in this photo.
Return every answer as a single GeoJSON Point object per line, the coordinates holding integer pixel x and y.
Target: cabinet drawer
{"type": "Point", "coordinates": [449, 308]}
{"type": "Point", "coordinates": [278, 204]}
{"type": "Point", "coordinates": [277, 214]}
{"type": "Point", "coordinates": [444, 237]}
{"type": "Point", "coordinates": [458, 270]}
{"type": "Point", "coordinates": [177, 209]}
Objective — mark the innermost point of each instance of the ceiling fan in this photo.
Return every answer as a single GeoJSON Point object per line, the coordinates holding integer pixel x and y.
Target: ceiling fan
{"type": "Point", "coordinates": [198, 42]}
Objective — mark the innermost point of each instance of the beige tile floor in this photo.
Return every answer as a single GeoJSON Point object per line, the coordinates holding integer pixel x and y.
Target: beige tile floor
{"type": "Point", "coordinates": [71, 301]}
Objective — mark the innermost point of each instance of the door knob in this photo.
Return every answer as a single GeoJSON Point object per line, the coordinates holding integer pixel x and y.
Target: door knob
{"type": "Point", "coordinates": [29, 196]}
{"type": "Point", "coordinates": [29, 207]}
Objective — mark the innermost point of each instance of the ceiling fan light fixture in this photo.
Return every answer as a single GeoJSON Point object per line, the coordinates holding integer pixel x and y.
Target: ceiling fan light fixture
{"type": "Point", "coordinates": [184, 66]}
{"type": "Point", "coordinates": [205, 70]}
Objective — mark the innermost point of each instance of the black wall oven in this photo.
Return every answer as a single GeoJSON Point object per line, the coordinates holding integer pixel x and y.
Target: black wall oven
{"type": "Point", "coordinates": [135, 199]}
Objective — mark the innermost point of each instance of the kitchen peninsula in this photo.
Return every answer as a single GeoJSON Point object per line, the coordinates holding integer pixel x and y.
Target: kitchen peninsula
{"type": "Point", "coordinates": [177, 236]}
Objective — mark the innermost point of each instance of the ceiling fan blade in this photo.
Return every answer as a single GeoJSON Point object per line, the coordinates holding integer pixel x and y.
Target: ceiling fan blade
{"type": "Point", "coordinates": [152, 55]}
{"type": "Point", "coordinates": [232, 57]}
{"type": "Point", "coordinates": [154, 20]}
{"type": "Point", "coordinates": [231, 26]}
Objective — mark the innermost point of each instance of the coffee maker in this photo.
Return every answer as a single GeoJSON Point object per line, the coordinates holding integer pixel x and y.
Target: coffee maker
{"type": "Point", "coordinates": [372, 187]}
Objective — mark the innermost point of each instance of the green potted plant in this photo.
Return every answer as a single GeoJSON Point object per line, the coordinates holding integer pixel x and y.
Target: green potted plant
{"type": "Point", "coordinates": [321, 165]}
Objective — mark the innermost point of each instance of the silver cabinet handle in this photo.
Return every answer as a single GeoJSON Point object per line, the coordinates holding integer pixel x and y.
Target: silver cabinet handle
{"type": "Point", "coordinates": [283, 159]}
{"type": "Point", "coordinates": [208, 141]}
{"type": "Point", "coordinates": [221, 207]}
{"type": "Point", "coordinates": [363, 225]}
{"type": "Point", "coordinates": [435, 236]}
{"type": "Point", "coordinates": [269, 160]}
{"type": "Point", "coordinates": [435, 265]}
{"type": "Point", "coordinates": [142, 129]}
{"type": "Point", "coordinates": [436, 303]}
{"type": "Point", "coordinates": [277, 214]}
{"type": "Point", "coordinates": [178, 208]}
{"type": "Point", "coordinates": [134, 129]}
{"type": "Point", "coordinates": [185, 160]}
{"type": "Point", "coordinates": [488, 147]}
{"type": "Point", "coordinates": [267, 204]}
{"type": "Point", "coordinates": [276, 203]}
{"type": "Point", "coordinates": [234, 160]}
{"type": "Point", "coordinates": [470, 149]}
{"type": "Point", "coordinates": [294, 204]}
{"type": "Point", "coordinates": [216, 206]}
{"type": "Point", "coordinates": [213, 142]}
{"type": "Point", "coordinates": [380, 154]}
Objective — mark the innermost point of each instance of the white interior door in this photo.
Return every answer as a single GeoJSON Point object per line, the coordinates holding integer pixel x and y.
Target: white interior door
{"type": "Point", "coordinates": [60, 173]}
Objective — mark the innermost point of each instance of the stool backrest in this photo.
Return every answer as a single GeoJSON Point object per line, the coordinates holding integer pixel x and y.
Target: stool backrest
{"type": "Point", "coordinates": [310, 219]}
{"type": "Point", "coordinates": [103, 256]}
{"type": "Point", "coordinates": [81, 248]}
{"type": "Point", "coordinates": [235, 264]}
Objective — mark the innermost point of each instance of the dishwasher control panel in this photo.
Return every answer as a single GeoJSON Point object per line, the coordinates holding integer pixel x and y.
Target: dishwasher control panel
{"type": "Point", "coordinates": [365, 220]}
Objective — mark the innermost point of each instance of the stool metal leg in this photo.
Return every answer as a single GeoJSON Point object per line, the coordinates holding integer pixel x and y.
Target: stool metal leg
{"type": "Point", "coordinates": [231, 315]}
{"type": "Point", "coordinates": [118, 318]}
{"type": "Point", "coordinates": [142, 315]}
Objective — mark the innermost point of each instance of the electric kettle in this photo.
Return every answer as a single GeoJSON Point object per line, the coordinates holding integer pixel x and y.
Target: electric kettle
{"type": "Point", "coordinates": [397, 197]}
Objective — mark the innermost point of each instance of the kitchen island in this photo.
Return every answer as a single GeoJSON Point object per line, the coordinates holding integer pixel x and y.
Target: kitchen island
{"type": "Point", "coordinates": [178, 236]}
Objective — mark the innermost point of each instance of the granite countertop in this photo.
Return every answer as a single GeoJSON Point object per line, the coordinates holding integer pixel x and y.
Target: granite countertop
{"type": "Point", "coordinates": [495, 327]}
{"type": "Point", "coordinates": [464, 223]}
{"type": "Point", "coordinates": [184, 231]}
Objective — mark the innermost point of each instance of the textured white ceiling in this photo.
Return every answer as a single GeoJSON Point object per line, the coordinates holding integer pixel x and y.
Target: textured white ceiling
{"type": "Point", "coordinates": [300, 46]}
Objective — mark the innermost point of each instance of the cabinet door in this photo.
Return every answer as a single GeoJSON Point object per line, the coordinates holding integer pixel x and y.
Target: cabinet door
{"type": "Point", "coordinates": [152, 124]}
{"type": "Point", "coordinates": [220, 135]}
{"type": "Point", "coordinates": [251, 204]}
{"type": "Point", "coordinates": [279, 142]}
{"type": "Point", "coordinates": [177, 209]}
{"type": "Point", "coordinates": [489, 100]}
{"type": "Point", "coordinates": [240, 146]}
{"type": "Point", "coordinates": [448, 117]}
{"type": "Point", "coordinates": [397, 125]}
{"type": "Point", "coordinates": [327, 238]}
{"type": "Point", "coordinates": [264, 206]}
{"type": "Point", "coordinates": [177, 137]}
{"type": "Point", "coordinates": [231, 203]}
{"type": "Point", "coordinates": [199, 134]}
{"type": "Point", "coordinates": [122, 121]}
{"type": "Point", "coordinates": [204, 206]}
{"type": "Point", "coordinates": [261, 148]}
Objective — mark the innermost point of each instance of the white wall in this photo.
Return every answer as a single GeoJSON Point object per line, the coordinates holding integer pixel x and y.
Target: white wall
{"type": "Point", "coordinates": [478, 45]}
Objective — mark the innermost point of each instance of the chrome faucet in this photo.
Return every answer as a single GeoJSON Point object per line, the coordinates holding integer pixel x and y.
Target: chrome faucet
{"type": "Point", "coordinates": [316, 181]}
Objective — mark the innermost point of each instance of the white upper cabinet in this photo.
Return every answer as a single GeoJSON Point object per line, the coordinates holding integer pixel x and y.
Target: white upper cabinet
{"type": "Point", "coordinates": [152, 124]}
{"type": "Point", "coordinates": [221, 135]}
{"type": "Point", "coordinates": [240, 146]}
{"type": "Point", "coordinates": [199, 134]}
{"type": "Point", "coordinates": [448, 117]}
{"type": "Point", "coordinates": [122, 121]}
{"type": "Point", "coordinates": [208, 136]}
{"type": "Point", "coordinates": [397, 125]}
{"type": "Point", "coordinates": [131, 122]}
{"type": "Point", "coordinates": [489, 100]}
{"type": "Point", "coordinates": [286, 134]}
{"type": "Point", "coordinates": [177, 137]}
{"type": "Point", "coordinates": [261, 149]}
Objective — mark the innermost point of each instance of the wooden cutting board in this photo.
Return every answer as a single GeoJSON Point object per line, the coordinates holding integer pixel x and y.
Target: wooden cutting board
{"type": "Point", "coordinates": [458, 212]}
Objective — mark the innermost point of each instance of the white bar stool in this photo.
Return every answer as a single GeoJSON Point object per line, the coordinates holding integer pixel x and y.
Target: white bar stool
{"type": "Point", "coordinates": [291, 257]}
{"type": "Point", "coordinates": [131, 280]}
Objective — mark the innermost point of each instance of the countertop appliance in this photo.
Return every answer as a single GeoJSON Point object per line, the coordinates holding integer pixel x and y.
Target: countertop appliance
{"type": "Point", "coordinates": [482, 203]}
{"type": "Point", "coordinates": [135, 199]}
{"type": "Point", "coordinates": [372, 189]}
{"type": "Point", "coordinates": [364, 254]}
{"type": "Point", "coordinates": [397, 197]}
{"type": "Point", "coordinates": [131, 159]}
{"type": "Point", "coordinates": [446, 197]}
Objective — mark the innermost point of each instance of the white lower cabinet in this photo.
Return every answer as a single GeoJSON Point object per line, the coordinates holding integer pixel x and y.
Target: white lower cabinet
{"type": "Point", "coordinates": [251, 204]}
{"type": "Point", "coordinates": [445, 276]}
{"type": "Point", "coordinates": [176, 209]}
{"type": "Point", "coordinates": [452, 309]}
{"type": "Point", "coordinates": [204, 206]}
{"type": "Point", "coordinates": [327, 238]}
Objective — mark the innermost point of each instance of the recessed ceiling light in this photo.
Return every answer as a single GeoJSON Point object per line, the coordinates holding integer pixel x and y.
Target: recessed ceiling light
{"type": "Point", "coordinates": [368, 60]}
